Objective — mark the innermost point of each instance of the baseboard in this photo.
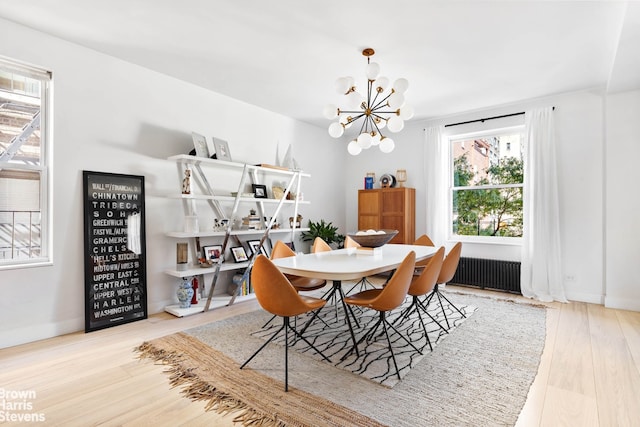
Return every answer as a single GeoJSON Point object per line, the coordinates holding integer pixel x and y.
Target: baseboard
{"type": "Point", "coordinates": [622, 303]}
{"type": "Point", "coordinates": [585, 297]}
{"type": "Point", "coordinates": [39, 332]}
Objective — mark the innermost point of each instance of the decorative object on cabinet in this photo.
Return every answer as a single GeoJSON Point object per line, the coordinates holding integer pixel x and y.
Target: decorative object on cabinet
{"type": "Point", "coordinates": [388, 209]}
{"type": "Point", "coordinates": [185, 293]}
{"type": "Point", "coordinates": [222, 149]}
{"type": "Point", "coordinates": [200, 144]}
{"type": "Point", "coordinates": [259, 191]}
{"type": "Point", "coordinates": [186, 182]}
{"type": "Point", "coordinates": [212, 253]}
{"type": "Point", "coordinates": [380, 106]}
{"type": "Point", "coordinates": [401, 177]}
{"type": "Point", "coordinates": [239, 254]}
{"type": "Point", "coordinates": [255, 246]}
{"type": "Point", "coordinates": [387, 181]}
{"type": "Point", "coordinates": [368, 183]}
{"type": "Point", "coordinates": [182, 256]}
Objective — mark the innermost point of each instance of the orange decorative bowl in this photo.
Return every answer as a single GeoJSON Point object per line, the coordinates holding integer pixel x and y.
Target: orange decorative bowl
{"type": "Point", "coordinates": [373, 240]}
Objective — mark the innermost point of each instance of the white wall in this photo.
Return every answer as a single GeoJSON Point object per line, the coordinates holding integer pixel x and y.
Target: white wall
{"type": "Point", "coordinates": [622, 202]}
{"type": "Point", "coordinates": [579, 138]}
{"type": "Point", "coordinates": [113, 116]}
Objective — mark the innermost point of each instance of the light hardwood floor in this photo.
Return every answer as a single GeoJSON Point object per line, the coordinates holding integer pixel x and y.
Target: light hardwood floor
{"type": "Point", "coordinates": [589, 374]}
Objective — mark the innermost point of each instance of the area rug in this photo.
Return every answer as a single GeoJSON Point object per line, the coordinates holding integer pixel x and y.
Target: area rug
{"type": "Point", "coordinates": [329, 333]}
{"type": "Point", "coordinates": [479, 375]}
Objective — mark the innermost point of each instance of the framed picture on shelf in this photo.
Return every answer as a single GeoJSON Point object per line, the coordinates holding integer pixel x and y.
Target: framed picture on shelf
{"type": "Point", "coordinates": [254, 245]}
{"type": "Point", "coordinates": [200, 144]}
{"type": "Point", "coordinates": [222, 149]}
{"type": "Point", "coordinates": [212, 253]}
{"type": "Point", "coordinates": [239, 254]}
{"type": "Point", "coordinates": [259, 190]}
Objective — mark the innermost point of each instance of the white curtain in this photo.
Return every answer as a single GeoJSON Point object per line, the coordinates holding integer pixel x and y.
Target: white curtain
{"type": "Point", "coordinates": [436, 162]}
{"type": "Point", "coordinates": [541, 275]}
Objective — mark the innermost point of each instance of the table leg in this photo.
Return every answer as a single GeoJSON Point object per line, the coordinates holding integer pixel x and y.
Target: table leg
{"type": "Point", "coordinates": [337, 284]}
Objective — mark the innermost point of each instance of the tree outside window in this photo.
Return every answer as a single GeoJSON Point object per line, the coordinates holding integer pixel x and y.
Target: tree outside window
{"type": "Point", "coordinates": [487, 182]}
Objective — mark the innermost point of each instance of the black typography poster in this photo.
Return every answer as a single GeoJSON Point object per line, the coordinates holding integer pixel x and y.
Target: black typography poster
{"type": "Point", "coordinates": [114, 247]}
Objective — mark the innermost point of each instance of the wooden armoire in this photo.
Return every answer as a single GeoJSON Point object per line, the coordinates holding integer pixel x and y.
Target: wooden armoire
{"type": "Point", "coordinates": [389, 208]}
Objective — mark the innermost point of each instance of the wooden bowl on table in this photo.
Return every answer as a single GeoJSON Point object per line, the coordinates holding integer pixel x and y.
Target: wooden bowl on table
{"type": "Point", "coordinates": [370, 240]}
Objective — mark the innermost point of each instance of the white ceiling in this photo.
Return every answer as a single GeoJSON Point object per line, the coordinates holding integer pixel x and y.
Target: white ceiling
{"type": "Point", "coordinates": [284, 55]}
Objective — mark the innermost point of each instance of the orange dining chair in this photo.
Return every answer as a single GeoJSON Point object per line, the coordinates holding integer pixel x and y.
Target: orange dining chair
{"type": "Point", "coordinates": [423, 284]}
{"type": "Point", "coordinates": [448, 270]}
{"type": "Point", "coordinates": [423, 240]}
{"type": "Point", "coordinates": [277, 296]}
{"type": "Point", "coordinates": [280, 250]}
{"type": "Point", "coordinates": [383, 300]}
{"type": "Point", "coordinates": [320, 245]}
{"type": "Point", "coordinates": [301, 284]}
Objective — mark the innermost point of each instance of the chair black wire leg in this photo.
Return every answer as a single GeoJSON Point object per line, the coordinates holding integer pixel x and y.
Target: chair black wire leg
{"type": "Point", "coordinates": [407, 311]}
{"type": "Point", "coordinates": [424, 308]}
{"type": "Point", "coordinates": [262, 346]}
{"type": "Point", "coordinates": [310, 345]}
{"type": "Point", "coordinates": [424, 328]}
{"type": "Point", "coordinates": [442, 307]}
{"type": "Point", "coordinates": [402, 336]}
{"type": "Point", "coordinates": [393, 356]}
{"type": "Point", "coordinates": [364, 336]}
{"type": "Point", "coordinates": [287, 326]}
{"type": "Point", "coordinates": [451, 304]}
{"type": "Point", "coordinates": [269, 321]}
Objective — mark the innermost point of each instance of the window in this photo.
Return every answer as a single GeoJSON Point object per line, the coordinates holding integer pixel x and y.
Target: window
{"type": "Point", "coordinates": [24, 212]}
{"type": "Point", "coordinates": [486, 184]}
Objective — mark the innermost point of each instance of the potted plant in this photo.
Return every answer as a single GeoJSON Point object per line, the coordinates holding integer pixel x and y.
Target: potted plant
{"type": "Point", "coordinates": [325, 230]}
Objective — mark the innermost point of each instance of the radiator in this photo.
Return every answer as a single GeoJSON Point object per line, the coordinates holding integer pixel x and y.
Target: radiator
{"type": "Point", "coordinates": [488, 273]}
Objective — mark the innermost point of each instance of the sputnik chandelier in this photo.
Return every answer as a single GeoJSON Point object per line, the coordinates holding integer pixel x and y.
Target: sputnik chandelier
{"type": "Point", "coordinates": [382, 107]}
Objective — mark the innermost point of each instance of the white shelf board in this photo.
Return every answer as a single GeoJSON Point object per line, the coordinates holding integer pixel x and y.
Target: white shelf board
{"type": "Point", "coordinates": [193, 160]}
{"type": "Point", "coordinates": [185, 235]}
{"type": "Point", "coordinates": [232, 199]}
{"type": "Point", "coordinates": [197, 270]}
{"type": "Point", "coordinates": [216, 302]}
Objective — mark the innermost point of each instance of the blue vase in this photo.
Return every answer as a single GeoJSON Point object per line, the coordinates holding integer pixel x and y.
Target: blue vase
{"type": "Point", "coordinates": [185, 293]}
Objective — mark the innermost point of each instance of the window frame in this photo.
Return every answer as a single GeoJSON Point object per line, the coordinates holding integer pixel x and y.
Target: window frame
{"type": "Point", "coordinates": [44, 168]}
{"type": "Point", "coordinates": [501, 240]}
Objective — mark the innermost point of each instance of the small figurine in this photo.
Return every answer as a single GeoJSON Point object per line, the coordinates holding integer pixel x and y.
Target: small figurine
{"type": "Point", "coordinates": [186, 182]}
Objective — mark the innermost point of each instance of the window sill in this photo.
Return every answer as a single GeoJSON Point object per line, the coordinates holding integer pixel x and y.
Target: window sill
{"type": "Point", "coordinates": [484, 240]}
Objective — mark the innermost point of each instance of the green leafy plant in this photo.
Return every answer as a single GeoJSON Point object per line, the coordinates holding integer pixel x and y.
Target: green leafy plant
{"type": "Point", "coordinates": [325, 230]}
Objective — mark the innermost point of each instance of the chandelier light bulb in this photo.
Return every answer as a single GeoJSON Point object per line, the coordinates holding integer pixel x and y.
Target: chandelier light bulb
{"type": "Point", "coordinates": [396, 100]}
{"type": "Point", "coordinates": [387, 145]}
{"type": "Point", "coordinates": [381, 84]}
{"type": "Point", "coordinates": [381, 123]}
{"type": "Point", "coordinates": [401, 85]}
{"type": "Point", "coordinates": [354, 99]}
{"type": "Point", "coordinates": [373, 69]}
{"type": "Point", "coordinates": [344, 85]}
{"type": "Point", "coordinates": [364, 140]}
{"type": "Point", "coordinates": [353, 148]}
{"type": "Point", "coordinates": [406, 112]}
{"type": "Point", "coordinates": [395, 124]}
{"type": "Point", "coordinates": [336, 129]}
{"type": "Point", "coordinates": [330, 111]}
{"type": "Point", "coordinates": [375, 139]}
